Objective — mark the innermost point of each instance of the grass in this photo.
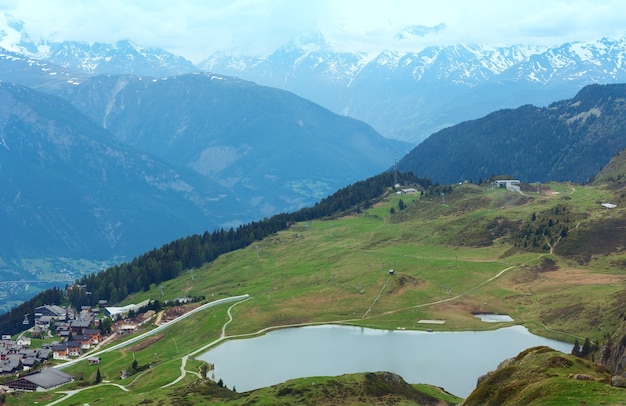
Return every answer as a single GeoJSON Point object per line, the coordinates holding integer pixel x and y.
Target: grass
{"type": "Point", "coordinates": [338, 271]}
{"type": "Point", "coordinates": [333, 270]}
{"type": "Point", "coordinates": [541, 376]}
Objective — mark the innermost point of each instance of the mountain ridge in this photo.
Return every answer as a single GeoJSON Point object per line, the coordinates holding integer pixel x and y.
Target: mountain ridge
{"type": "Point", "coordinates": [407, 92]}
{"type": "Point", "coordinates": [569, 140]}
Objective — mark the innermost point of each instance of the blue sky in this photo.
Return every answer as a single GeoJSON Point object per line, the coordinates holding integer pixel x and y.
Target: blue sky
{"type": "Point", "coordinates": [196, 28]}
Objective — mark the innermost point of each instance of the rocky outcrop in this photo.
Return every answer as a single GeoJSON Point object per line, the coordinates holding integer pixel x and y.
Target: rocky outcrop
{"type": "Point", "coordinates": [612, 354]}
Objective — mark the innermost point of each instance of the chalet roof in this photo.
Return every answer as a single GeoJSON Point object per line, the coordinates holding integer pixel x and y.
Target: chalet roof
{"type": "Point", "coordinates": [28, 361]}
{"type": "Point", "coordinates": [43, 353]}
{"type": "Point", "coordinates": [49, 378]}
{"type": "Point", "coordinates": [91, 331]}
{"type": "Point", "coordinates": [10, 365]}
{"type": "Point", "coordinates": [51, 309]}
{"type": "Point", "coordinates": [81, 323]}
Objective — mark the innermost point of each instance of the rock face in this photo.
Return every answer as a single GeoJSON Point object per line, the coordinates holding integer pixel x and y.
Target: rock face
{"type": "Point", "coordinates": [612, 354]}
{"type": "Point", "coordinates": [501, 365]}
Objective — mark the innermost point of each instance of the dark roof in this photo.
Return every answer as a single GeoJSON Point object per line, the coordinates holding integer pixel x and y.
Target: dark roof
{"type": "Point", "coordinates": [81, 323]}
{"type": "Point", "coordinates": [49, 378]}
{"type": "Point", "coordinates": [28, 361]}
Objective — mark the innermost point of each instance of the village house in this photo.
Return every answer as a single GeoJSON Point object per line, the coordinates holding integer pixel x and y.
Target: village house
{"type": "Point", "coordinates": [23, 341]}
{"type": "Point", "coordinates": [50, 310]}
{"type": "Point", "coordinates": [123, 329]}
{"type": "Point", "coordinates": [74, 349]}
{"type": "Point", "coordinates": [59, 351]}
{"type": "Point", "coordinates": [84, 340]}
{"type": "Point", "coordinates": [78, 325]}
{"type": "Point", "coordinates": [407, 191]}
{"type": "Point", "coordinates": [93, 334]}
{"type": "Point", "coordinates": [509, 184]}
{"type": "Point", "coordinates": [36, 332]}
{"type": "Point", "coordinates": [11, 364]}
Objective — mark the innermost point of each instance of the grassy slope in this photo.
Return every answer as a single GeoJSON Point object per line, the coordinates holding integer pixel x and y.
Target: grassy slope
{"type": "Point", "coordinates": [542, 376]}
{"type": "Point", "coordinates": [445, 259]}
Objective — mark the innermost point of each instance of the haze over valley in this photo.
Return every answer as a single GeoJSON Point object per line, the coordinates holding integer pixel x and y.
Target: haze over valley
{"type": "Point", "coordinates": [397, 168]}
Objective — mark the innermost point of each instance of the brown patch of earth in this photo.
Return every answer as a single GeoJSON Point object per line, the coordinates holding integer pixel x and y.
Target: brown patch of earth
{"type": "Point", "coordinates": [145, 343]}
{"type": "Point", "coordinates": [579, 277]}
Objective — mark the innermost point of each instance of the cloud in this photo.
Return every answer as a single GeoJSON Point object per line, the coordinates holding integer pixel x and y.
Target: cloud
{"type": "Point", "coordinates": [196, 28]}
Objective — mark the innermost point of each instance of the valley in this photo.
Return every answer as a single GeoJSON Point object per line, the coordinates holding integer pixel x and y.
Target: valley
{"type": "Point", "coordinates": [334, 271]}
{"type": "Point", "coordinates": [484, 179]}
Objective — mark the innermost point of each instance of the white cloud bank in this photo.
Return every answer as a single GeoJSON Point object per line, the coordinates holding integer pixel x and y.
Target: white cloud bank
{"type": "Point", "coordinates": [196, 28]}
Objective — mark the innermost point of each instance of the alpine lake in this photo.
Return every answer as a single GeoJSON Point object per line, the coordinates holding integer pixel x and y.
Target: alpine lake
{"type": "Point", "coordinates": [451, 360]}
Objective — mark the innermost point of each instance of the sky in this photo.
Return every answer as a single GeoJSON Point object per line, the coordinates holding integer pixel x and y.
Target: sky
{"type": "Point", "coordinates": [197, 28]}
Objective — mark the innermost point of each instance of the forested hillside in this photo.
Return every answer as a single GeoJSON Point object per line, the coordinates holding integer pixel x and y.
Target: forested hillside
{"type": "Point", "coordinates": [570, 140]}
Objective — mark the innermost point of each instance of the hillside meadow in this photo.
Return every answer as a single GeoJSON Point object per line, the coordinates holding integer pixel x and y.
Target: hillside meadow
{"type": "Point", "coordinates": [452, 256]}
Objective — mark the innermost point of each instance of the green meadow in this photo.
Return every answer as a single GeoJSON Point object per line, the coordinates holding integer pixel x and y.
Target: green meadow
{"type": "Point", "coordinates": [449, 261]}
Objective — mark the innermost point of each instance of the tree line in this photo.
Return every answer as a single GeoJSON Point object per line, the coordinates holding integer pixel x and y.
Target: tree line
{"type": "Point", "coordinates": [172, 259]}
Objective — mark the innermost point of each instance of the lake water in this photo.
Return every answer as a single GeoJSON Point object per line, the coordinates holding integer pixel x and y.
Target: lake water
{"type": "Point", "coordinates": [452, 360]}
{"type": "Point", "coordinates": [493, 318]}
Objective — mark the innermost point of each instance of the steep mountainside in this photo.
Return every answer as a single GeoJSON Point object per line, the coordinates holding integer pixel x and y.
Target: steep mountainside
{"type": "Point", "coordinates": [570, 140]}
{"type": "Point", "coordinates": [69, 188]}
{"type": "Point", "coordinates": [275, 150]}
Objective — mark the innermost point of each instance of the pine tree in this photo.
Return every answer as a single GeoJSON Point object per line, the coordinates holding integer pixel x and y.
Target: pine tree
{"type": "Point", "coordinates": [576, 349]}
{"type": "Point", "coordinates": [587, 348]}
{"type": "Point", "coordinates": [98, 377]}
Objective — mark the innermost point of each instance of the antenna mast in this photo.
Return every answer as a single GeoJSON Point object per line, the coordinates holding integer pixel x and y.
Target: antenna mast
{"type": "Point", "coordinates": [395, 167]}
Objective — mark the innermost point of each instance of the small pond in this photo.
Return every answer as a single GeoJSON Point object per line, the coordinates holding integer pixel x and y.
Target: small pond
{"type": "Point", "coordinates": [493, 318]}
{"type": "Point", "coordinates": [452, 360]}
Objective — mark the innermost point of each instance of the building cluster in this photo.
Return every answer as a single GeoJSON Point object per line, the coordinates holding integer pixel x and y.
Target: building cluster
{"type": "Point", "coordinates": [16, 356]}
{"type": "Point", "coordinates": [77, 333]}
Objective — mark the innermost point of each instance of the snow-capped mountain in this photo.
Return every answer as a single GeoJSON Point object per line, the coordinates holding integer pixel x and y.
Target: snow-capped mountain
{"type": "Point", "coordinates": [123, 57]}
{"type": "Point", "coordinates": [411, 94]}
{"type": "Point", "coordinates": [407, 92]}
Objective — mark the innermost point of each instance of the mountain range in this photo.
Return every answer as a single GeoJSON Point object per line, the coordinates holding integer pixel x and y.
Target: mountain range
{"type": "Point", "coordinates": [410, 94]}
{"type": "Point", "coordinates": [112, 149]}
{"type": "Point", "coordinates": [407, 92]}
